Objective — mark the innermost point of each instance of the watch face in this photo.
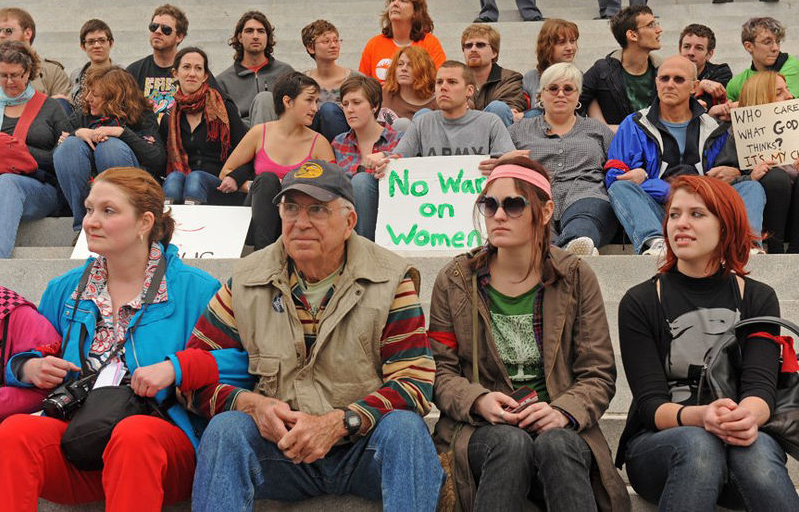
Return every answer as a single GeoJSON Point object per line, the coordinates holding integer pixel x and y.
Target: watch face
{"type": "Point", "coordinates": [352, 422]}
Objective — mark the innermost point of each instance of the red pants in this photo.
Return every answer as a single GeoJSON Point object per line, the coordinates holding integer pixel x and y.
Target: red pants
{"type": "Point", "coordinates": [148, 463]}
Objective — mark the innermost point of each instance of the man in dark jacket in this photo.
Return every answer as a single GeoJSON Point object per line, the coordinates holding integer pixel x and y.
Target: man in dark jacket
{"type": "Point", "coordinates": [499, 90]}
{"type": "Point", "coordinates": [671, 137]}
{"type": "Point", "coordinates": [254, 69]}
{"type": "Point", "coordinates": [624, 81]}
{"type": "Point", "coordinates": [697, 43]}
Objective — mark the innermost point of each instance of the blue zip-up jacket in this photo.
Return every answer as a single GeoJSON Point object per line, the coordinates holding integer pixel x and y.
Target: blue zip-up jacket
{"type": "Point", "coordinates": [163, 330]}
{"type": "Point", "coordinates": [643, 141]}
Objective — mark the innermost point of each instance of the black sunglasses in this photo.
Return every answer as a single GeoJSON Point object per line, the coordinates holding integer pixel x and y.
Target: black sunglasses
{"type": "Point", "coordinates": [512, 205]}
{"type": "Point", "coordinates": [479, 45]}
{"type": "Point", "coordinates": [165, 29]}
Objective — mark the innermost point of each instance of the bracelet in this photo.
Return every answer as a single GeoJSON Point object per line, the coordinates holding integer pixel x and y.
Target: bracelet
{"type": "Point", "coordinates": [679, 416]}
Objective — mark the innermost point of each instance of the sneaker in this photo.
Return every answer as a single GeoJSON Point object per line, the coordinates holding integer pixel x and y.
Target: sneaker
{"type": "Point", "coordinates": [581, 246]}
{"type": "Point", "coordinates": [657, 247]}
{"type": "Point", "coordinates": [756, 250]}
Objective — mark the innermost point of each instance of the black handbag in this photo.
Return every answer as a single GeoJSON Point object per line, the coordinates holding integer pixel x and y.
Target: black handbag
{"type": "Point", "coordinates": [92, 424]}
{"type": "Point", "coordinates": [722, 374]}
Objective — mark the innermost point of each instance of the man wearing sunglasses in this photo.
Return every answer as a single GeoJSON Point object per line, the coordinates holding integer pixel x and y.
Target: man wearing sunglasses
{"type": "Point", "coordinates": [168, 26]}
{"type": "Point", "coordinates": [624, 81]}
{"type": "Point", "coordinates": [499, 90]}
{"type": "Point", "coordinates": [672, 137]}
{"type": "Point", "coordinates": [17, 25]}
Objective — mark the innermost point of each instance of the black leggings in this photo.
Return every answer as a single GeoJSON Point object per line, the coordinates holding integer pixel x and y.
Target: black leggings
{"type": "Point", "coordinates": [265, 225]}
{"type": "Point", "coordinates": [781, 214]}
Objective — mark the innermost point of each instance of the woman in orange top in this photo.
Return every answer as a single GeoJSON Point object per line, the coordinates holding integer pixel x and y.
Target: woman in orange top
{"type": "Point", "coordinates": [405, 23]}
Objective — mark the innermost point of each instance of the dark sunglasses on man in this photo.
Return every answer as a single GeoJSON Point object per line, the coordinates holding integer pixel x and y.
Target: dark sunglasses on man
{"type": "Point", "coordinates": [165, 29]}
{"type": "Point", "coordinates": [512, 205]}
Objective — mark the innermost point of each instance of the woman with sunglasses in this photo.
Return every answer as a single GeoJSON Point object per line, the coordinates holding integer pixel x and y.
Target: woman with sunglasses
{"type": "Point", "coordinates": [115, 128]}
{"type": "Point", "coordinates": [682, 452]}
{"type": "Point", "coordinates": [134, 306]}
{"type": "Point", "coordinates": [574, 149]}
{"type": "Point", "coordinates": [514, 317]}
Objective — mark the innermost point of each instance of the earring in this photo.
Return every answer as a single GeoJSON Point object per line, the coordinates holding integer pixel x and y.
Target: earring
{"type": "Point", "coordinates": [141, 238]}
{"type": "Point", "coordinates": [579, 106]}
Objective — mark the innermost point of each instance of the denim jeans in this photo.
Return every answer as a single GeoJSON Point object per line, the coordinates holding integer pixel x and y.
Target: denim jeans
{"type": "Point", "coordinates": [330, 121]}
{"type": "Point", "coordinates": [501, 109]}
{"type": "Point", "coordinates": [642, 216]}
{"type": "Point", "coordinates": [533, 112]}
{"type": "Point", "coordinates": [194, 186]}
{"type": "Point", "coordinates": [396, 463]}
{"type": "Point", "coordinates": [688, 468]}
{"type": "Point", "coordinates": [365, 192]}
{"type": "Point", "coordinates": [22, 198]}
{"type": "Point", "coordinates": [511, 465]}
{"type": "Point", "coordinates": [589, 217]}
{"type": "Point", "coordinates": [74, 160]}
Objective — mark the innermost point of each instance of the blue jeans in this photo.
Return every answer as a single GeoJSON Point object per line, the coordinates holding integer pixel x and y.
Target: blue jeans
{"type": "Point", "coordinates": [642, 216]}
{"type": "Point", "coordinates": [397, 463]}
{"type": "Point", "coordinates": [688, 468]}
{"type": "Point", "coordinates": [511, 465]}
{"type": "Point", "coordinates": [533, 112]}
{"type": "Point", "coordinates": [365, 192]}
{"type": "Point", "coordinates": [589, 217]}
{"type": "Point", "coordinates": [194, 186]}
{"type": "Point", "coordinates": [330, 121]}
{"type": "Point", "coordinates": [501, 109]}
{"type": "Point", "coordinates": [23, 198]}
{"type": "Point", "coordinates": [74, 160]}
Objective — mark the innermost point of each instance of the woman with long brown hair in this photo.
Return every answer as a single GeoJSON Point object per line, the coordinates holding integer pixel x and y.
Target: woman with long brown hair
{"type": "Point", "coordinates": [405, 23]}
{"type": "Point", "coordinates": [410, 85]}
{"type": "Point", "coordinates": [520, 318]}
{"type": "Point", "coordinates": [681, 451]}
{"type": "Point", "coordinates": [116, 128]}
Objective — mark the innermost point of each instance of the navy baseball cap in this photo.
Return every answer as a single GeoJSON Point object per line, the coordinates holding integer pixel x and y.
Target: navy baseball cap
{"type": "Point", "coordinates": [321, 180]}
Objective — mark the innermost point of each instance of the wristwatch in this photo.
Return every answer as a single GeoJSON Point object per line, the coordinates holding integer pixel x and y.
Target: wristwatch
{"type": "Point", "coordinates": [352, 422]}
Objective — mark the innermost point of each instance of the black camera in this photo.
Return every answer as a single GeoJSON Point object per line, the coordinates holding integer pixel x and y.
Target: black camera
{"type": "Point", "coordinates": [68, 397]}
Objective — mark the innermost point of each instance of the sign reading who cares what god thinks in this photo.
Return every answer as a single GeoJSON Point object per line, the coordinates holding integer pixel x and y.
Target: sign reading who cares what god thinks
{"type": "Point", "coordinates": [427, 204]}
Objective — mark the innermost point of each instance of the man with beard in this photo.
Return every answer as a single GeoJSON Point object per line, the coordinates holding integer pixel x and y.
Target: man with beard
{"type": "Point", "coordinates": [254, 69]}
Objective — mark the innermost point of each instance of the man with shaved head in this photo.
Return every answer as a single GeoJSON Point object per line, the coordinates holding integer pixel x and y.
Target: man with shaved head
{"type": "Point", "coordinates": [671, 137]}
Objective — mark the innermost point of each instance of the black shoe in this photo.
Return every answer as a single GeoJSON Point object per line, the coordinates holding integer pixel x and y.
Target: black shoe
{"type": "Point", "coordinates": [603, 17]}
{"type": "Point", "coordinates": [481, 19]}
{"type": "Point", "coordinates": [722, 1]}
{"type": "Point", "coordinates": [537, 18]}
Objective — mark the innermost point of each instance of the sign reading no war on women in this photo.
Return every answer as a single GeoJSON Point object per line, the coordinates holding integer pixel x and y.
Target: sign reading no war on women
{"type": "Point", "coordinates": [427, 204]}
{"type": "Point", "coordinates": [767, 132]}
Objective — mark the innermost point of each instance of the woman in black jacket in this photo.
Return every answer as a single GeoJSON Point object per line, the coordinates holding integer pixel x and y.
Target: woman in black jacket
{"type": "Point", "coordinates": [198, 131]}
{"type": "Point", "coordinates": [116, 128]}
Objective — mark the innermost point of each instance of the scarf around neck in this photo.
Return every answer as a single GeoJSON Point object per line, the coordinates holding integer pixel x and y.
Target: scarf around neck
{"type": "Point", "coordinates": [6, 101]}
{"type": "Point", "coordinates": [210, 103]}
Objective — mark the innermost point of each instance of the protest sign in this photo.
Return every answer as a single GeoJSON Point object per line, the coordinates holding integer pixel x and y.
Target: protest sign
{"type": "Point", "coordinates": [427, 204]}
{"type": "Point", "coordinates": [767, 132]}
{"type": "Point", "coordinates": [200, 232]}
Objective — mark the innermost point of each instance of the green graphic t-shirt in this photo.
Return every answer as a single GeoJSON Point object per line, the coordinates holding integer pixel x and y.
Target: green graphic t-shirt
{"type": "Point", "coordinates": [639, 88]}
{"type": "Point", "coordinates": [513, 325]}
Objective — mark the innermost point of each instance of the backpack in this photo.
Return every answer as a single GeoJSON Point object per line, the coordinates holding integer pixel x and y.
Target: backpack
{"type": "Point", "coordinates": [722, 374]}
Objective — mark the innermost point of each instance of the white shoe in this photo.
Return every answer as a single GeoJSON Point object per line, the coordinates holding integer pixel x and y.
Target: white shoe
{"type": "Point", "coordinates": [581, 246]}
{"type": "Point", "coordinates": [657, 247]}
{"type": "Point", "coordinates": [756, 250]}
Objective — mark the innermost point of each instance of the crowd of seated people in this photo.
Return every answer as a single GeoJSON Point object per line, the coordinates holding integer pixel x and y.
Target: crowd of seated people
{"type": "Point", "coordinates": [313, 358]}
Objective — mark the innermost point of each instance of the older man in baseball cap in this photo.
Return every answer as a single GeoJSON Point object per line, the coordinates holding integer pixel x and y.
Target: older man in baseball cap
{"type": "Point", "coordinates": [327, 334]}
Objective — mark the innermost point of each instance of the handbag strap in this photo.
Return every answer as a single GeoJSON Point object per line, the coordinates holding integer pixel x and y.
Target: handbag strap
{"type": "Point", "coordinates": [769, 320]}
{"type": "Point", "coordinates": [29, 113]}
{"type": "Point", "coordinates": [475, 354]}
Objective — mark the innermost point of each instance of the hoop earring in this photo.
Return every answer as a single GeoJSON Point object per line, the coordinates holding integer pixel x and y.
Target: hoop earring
{"type": "Point", "coordinates": [579, 106]}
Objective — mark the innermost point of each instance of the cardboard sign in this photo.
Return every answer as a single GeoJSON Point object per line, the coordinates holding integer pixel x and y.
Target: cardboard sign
{"type": "Point", "coordinates": [426, 204]}
{"type": "Point", "coordinates": [200, 232]}
{"type": "Point", "coordinates": [766, 132]}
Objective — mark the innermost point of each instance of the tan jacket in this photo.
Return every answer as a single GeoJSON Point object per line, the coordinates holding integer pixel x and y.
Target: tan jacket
{"type": "Point", "coordinates": [52, 79]}
{"type": "Point", "coordinates": [345, 363]}
{"type": "Point", "coordinates": [578, 364]}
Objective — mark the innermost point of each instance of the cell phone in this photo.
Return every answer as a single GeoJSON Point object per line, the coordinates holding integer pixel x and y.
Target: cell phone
{"type": "Point", "coordinates": [525, 397]}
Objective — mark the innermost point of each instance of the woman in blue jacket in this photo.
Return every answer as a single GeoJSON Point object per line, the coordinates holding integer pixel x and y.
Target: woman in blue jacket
{"type": "Point", "coordinates": [148, 462]}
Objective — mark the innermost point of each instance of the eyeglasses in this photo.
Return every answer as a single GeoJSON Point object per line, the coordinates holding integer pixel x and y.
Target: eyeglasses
{"type": "Point", "coordinates": [316, 212]}
{"type": "Point", "coordinates": [567, 89]}
{"type": "Point", "coordinates": [328, 42]}
{"type": "Point", "coordinates": [479, 45]}
{"type": "Point", "coordinates": [165, 29]}
{"type": "Point", "coordinates": [100, 40]}
{"type": "Point", "coordinates": [14, 77]}
{"type": "Point", "coordinates": [651, 24]}
{"type": "Point", "coordinates": [6, 30]}
{"type": "Point", "coordinates": [512, 205]}
{"type": "Point", "coordinates": [678, 80]}
{"type": "Point", "coordinates": [768, 43]}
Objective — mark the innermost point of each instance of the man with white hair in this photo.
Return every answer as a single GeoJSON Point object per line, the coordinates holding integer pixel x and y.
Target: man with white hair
{"type": "Point", "coordinates": [671, 137]}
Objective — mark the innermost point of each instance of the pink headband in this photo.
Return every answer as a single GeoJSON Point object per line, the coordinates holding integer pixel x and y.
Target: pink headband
{"type": "Point", "coordinates": [522, 173]}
